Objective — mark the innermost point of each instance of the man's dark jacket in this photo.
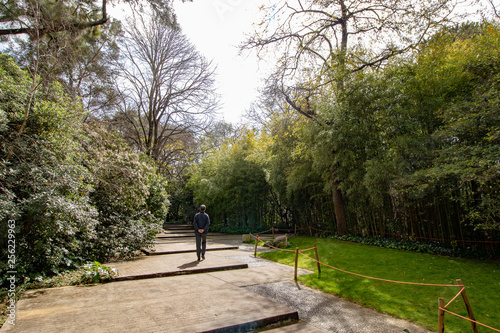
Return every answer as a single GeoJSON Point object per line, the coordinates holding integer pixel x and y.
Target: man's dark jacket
{"type": "Point", "coordinates": [201, 221]}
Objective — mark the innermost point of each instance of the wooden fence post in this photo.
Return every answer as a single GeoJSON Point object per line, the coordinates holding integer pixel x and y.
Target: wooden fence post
{"type": "Point", "coordinates": [468, 306]}
{"type": "Point", "coordinates": [273, 231]}
{"type": "Point", "coordinates": [317, 260]}
{"type": "Point", "coordinates": [296, 262]}
{"type": "Point", "coordinates": [441, 316]}
{"type": "Point", "coordinates": [256, 242]}
{"type": "Point", "coordinates": [310, 231]}
{"type": "Point", "coordinates": [295, 230]}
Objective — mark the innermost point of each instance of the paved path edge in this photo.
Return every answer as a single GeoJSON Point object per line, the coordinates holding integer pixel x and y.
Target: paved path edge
{"type": "Point", "coordinates": [283, 320]}
{"type": "Point", "coordinates": [180, 272]}
{"type": "Point", "coordinates": [154, 253]}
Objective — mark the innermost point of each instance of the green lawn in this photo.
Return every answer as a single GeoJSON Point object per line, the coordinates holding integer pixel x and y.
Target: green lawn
{"type": "Point", "coordinates": [418, 304]}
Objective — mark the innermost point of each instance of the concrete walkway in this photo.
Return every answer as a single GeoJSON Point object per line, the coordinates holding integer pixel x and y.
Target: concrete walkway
{"type": "Point", "coordinates": [231, 291]}
{"type": "Point", "coordinates": [171, 265]}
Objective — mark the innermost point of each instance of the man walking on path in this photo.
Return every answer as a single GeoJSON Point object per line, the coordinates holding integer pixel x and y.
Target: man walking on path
{"type": "Point", "coordinates": [201, 223]}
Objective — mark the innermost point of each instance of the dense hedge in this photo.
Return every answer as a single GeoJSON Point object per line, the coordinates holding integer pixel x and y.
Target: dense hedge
{"type": "Point", "coordinates": [76, 192]}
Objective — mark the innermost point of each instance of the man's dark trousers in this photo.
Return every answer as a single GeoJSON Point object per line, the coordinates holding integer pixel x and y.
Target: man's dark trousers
{"type": "Point", "coordinates": [201, 244]}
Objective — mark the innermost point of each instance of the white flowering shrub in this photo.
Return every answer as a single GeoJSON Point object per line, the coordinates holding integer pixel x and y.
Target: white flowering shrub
{"type": "Point", "coordinates": [76, 192]}
{"type": "Point", "coordinates": [95, 272]}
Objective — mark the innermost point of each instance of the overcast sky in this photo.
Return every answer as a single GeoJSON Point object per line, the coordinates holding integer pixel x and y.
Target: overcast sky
{"type": "Point", "coordinates": [216, 28]}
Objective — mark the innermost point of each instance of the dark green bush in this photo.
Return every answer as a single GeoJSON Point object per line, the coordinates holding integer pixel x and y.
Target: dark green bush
{"type": "Point", "coordinates": [76, 192]}
{"type": "Point", "coordinates": [431, 247]}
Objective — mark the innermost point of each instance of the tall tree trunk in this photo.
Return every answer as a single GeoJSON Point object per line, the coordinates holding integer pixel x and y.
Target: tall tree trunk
{"type": "Point", "coordinates": [339, 207]}
{"type": "Point", "coordinates": [338, 199]}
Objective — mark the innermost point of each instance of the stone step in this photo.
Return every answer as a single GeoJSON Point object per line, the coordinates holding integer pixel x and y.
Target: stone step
{"type": "Point", "coordinates": [177, 231]}
{"type": "Point", "coordinates": [300, 327]}
{"type": "Point", "coordinates": [177, 235]}
{"type": "Point", "coordinates": [184, 235]}
{"type": "Point", "coordinates": [178, 227]}
{"type": "Point", "coordinates": [155, 252]}
{"type": "Point", "coordinates": [148, 267]}
{"type": "Point", "coordinates": [283, 319]}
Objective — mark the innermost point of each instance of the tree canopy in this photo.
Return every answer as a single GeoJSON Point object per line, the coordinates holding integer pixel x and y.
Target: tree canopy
{"type": "Point", "coordinates": [38, 19]}
{"type": "Point", "coordinates": [381, 119]}
{"type": "Point", "coordinates": [75, 191]}
{"type": "Point", "coordinates": [415, 147]}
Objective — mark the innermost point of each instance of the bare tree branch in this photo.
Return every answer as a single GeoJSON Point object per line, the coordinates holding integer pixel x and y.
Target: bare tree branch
{"type": "Point", "coordinates": [320, 34]}
{"type": "Point", "coordinates": [169, 86]}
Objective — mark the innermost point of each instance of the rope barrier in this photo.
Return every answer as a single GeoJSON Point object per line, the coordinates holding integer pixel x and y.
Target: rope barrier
{"type": "Point", "coordinates": [319, 229]}
{"type": "Point", "coordinates": [262, 232]}
{"type": "Point", "coordinates": [312, 248]}
{"type": "Point", "coordinates": [468, 319]}
{"type": "Point", "coordinates": [274, 247]}
{"type": "Point", "coordinates": [385, 280]}
{"type": "Point", "coordinates": [289, 230]}
{"type": "Point", "coordinates": [356, 274]}
{"type": "Point", "coordinates": [454, 298]}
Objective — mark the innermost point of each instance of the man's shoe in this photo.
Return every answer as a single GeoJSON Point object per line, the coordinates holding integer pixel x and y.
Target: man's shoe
{"type": "Point", "coordinates": [203, 257]}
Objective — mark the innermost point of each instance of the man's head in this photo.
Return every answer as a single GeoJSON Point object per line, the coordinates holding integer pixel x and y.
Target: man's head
{"type": "Point", "coordinates": [203, 208]}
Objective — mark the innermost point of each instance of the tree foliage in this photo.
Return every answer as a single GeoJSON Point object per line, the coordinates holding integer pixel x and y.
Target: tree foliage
{"type": "Point", "coordinates": [465, 94]}
{"type": "Point", "coordinates": [83, 65]}
{"type": "Point", "coordinates": [76, 192]}
{"type": "Point", "coordinates": [233, 185]}
{"type": "Point", "coordinates": [322, 43]}
{"type": "Point", "coordinates": [416, 145]}
{"type": "Point", "coordinates": [38, 19]}
{"type": "Point", "coordinates": [417, 142]}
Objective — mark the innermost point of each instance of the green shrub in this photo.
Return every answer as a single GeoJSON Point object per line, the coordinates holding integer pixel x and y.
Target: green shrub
{"type": "Point", "coordinates": [431, 247]}
{"type": "Point", "coordinates": [76, 192]}
{"type": "Point", "coordinates": [95, 272]}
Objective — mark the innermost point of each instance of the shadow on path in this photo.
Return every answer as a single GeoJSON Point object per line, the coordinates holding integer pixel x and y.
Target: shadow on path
{"type": "Point", "coordinates": [189, 265]}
